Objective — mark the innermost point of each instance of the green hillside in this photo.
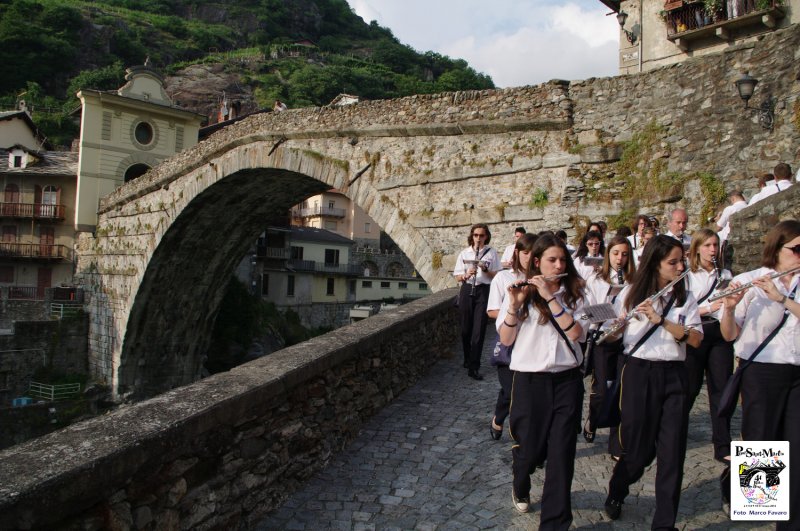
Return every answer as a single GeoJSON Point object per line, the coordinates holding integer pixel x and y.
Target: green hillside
{"type": "Point", "coordinates": [53, 48]}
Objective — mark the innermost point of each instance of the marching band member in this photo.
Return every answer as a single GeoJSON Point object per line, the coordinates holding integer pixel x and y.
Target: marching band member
{"type": "Point", "coordinates": [602, 287]}
{"type": "Point", "coordinates": [770, 385]}
{"type": "Point", "coordinates": [547, 389]}
{"type": "Point", "coordinates": [520, 270]}
{"type": "Point", "coordinates": [653, 387]}
{"type": "Point", "coordinates": [475, 267]}
{"type": "Point", "coordinates": [647, 235]}
{"type": "Point", "coordinates": [714, 356]}
{"type": "Point", "coordinates": [642, 222]}
{"type": "Point", "coordinates": [591, 245]}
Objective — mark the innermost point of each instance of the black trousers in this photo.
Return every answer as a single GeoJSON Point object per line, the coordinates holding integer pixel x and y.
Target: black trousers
{"type": "Point", "coordinates": [654, 425]}
{"type": "Point", "coordinates": [771, 412]}
{"type": "Point", "coordinates": [545, 415]}
{"type": "Point", "coordinates": [604, 370]}
{"type": "Point", "coordinates": [472, 309]}
{"type": "Point", "coordinates": [505, 376]}
{"type": "Point", "coordinates": [714, 358]}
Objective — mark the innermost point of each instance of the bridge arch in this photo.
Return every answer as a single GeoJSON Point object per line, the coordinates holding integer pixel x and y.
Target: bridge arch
{"type": "Point", "coordinates": [164, 251]}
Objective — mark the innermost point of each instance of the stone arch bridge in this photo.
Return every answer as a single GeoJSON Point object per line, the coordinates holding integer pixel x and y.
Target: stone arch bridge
{"type": "Point", "coordinates": [425, 168]}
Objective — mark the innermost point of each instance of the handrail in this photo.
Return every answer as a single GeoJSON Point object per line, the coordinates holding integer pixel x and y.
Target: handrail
{"type": "Point", "coordinates": [32, 210]}
{"type": "Point", "coordinates": [35, 250]}
{"type": "Point", "coordinates": [53, 392]}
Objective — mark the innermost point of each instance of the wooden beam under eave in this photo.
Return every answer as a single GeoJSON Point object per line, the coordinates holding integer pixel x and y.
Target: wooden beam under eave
{"type": "Point", "coordinates": [683, 44]}
{"type": "Point", "coordinates": [769, 21]}
{"type": "Point", "coordinates": [723, 34]}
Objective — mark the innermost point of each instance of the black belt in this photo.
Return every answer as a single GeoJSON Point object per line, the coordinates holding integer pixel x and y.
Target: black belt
{"type": "Point", "coordinates": [656, 363]}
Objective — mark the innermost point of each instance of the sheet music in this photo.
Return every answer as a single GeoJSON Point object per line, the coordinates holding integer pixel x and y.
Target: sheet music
{"type": "Point", "coordinates": [597, 313]}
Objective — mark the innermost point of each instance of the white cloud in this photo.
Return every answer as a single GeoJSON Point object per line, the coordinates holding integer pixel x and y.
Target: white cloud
{"type": "Point", "coordinates": [516, 42]}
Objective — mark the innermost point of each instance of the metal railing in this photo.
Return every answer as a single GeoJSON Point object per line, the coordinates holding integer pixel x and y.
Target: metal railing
{"type": "Point", "coordinates": [54, 392]}
{"type": "Point", "coordinates": [35, 250]}
{"type": "Point", "coordinates": [31, 210]}
{"type": "Point", "coordinates": [67, 295]}
{"type": "Point", "coordinates": [318, 211]}
{"type": "Point", "coordinates": [693, 15]}
{"type": "Point", "coordinates": [321, 267]}
{"type": "Point", "coordinates": [275, 253]}
{"type": "Point", "coordinates": [59, 310]}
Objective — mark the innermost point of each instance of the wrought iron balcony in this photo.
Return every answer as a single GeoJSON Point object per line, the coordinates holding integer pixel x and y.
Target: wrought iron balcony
{"type": "Point", "coordinates": [318, 211]}
{"type": "Point", "coordinates": [35, 251]}
{"type": "Point", "coordinates": [32, 211]}
{"type": "Point", "coordinates": [321, 267]}
{"type": "Point", "coordinates": [691, 21]}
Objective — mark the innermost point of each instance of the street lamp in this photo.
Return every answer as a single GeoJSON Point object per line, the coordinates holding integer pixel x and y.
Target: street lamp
{"type": "Point", "coordinates": [622, 16]}
{"type": "Point", "coordinates": [745, 86]}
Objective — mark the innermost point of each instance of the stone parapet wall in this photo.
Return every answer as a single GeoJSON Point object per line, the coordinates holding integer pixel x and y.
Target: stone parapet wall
{"type": "Point", "coordinates": [219, 453]}
{"type": "Point", "coordinates": [751, 225]}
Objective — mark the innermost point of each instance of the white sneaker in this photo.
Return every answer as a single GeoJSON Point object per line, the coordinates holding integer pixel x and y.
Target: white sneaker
{"type": "Point", "coordinates": [521, 504]}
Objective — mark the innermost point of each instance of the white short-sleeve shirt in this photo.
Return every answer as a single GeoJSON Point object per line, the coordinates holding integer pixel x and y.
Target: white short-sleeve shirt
{"type": "Point", "coordinates": [499, 287]}
{"type": "Point", "coordinates": [487, 254]}
{"type": "Point", "coordinates": [661, 345]}
{"type": "Point", "coordinates": [700, 283]}
{"type": "Point", "coordinates": [539, 347]}
{"type": "Point", "coordinates": [758, 316]}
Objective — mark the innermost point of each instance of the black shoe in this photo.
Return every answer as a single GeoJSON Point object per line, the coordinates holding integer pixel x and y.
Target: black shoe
{"type": "Point", "coordinates": [613, 508]}
{"type": "Point", "coordinates": [496, 434]}
{"type": "Point", "coordinates": [475, 375]}
{"type": "Point", "coordinates": [588, 435]}
{"type": "Point", "coordinates": [466, 365]}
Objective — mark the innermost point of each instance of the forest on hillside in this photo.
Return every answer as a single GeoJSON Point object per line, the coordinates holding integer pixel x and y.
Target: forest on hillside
{"type": "Point", "coordinates": [51, 49]}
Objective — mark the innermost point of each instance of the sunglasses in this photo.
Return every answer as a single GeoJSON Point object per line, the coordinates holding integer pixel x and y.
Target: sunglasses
{"type": "Point", "coordinates": [795, 249]}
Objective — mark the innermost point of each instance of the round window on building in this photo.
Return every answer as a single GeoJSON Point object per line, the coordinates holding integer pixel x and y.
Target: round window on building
{"type": "Point", "coordinates": [137, 170]}
{"type": "Point", "coordinates": [144, 133]}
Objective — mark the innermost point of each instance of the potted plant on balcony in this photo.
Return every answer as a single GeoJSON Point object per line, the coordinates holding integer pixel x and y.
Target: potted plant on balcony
{"type": "Point", "coordinates": [713, 9]}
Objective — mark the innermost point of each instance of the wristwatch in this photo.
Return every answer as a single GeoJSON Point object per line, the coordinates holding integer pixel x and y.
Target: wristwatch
{"type": "Point", "coordinates": [685, 335]}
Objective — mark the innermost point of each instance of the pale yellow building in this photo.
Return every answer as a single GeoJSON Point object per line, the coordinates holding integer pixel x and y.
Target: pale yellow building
{"type": "Point", "coordinates": [17, 129]}
{"type": "Point", "coordinates": [662, 32]}
{"type": "Point", "coordinates": [124, 133]}
{"type": "Point", "coordinates": [335, 212]}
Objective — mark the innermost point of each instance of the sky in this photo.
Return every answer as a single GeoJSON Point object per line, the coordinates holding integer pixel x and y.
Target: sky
{"type": "Point", "coordinates": [516, 42]}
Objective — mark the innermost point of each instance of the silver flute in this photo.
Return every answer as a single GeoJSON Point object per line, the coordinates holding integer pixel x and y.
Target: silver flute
{"type": "Point", "coordinates": [652, 298]}
{"type": "Point", "coordinates": [727, 292]}
{"type": "Point", "coordinates": [523, 283]}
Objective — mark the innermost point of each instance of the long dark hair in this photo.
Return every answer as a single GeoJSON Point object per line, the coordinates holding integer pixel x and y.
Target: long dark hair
{"type": "Point", "coordinates": [572, 283]}
{"type": "Point", "coordinates": [776, 238]}
{"type": "Point", "coordinates": [645, 281]}
{"type": "Point", "coordinates": [524, 243]}
{"type": "Point", "coordinates": [630, 267]}
{"type": "Point", "coordinates": [583, 249]}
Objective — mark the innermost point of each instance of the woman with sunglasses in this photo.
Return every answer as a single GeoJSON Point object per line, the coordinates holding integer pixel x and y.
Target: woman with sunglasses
{"type": "Point", "coordinates": [591, 246]}
{"type": "Point", "coordinates": [770, 385]}
{"type": "Point", "coordinates": [547, 391]}
{"type": "Point", "coordinates": [653, 382]}
{"type": "Point", "coordinates": [475, 267]}
{"type": "Point", "coordinates": [603, 287]}
{"type": "Point", "coordinates": [520, 270]}
{"type": "Point", "coordinates": [714, 357]}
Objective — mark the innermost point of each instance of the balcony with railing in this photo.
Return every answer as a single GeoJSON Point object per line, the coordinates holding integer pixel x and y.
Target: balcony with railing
{"type": "Point", "coordinates": [272, 253]}
{"type": "Point", "coordinates": [309, 266]}
{"type": "Point", "coordinates": [35, 251]}
{"type": "Point", "coordinates": [310, 212]}
{"type": "Point", "coordinates": [39, 211]}
{"type": "Point", "coordinates": [690, 21]}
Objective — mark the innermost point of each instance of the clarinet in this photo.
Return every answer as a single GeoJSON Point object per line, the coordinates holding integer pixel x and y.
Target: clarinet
{"type": "Point", "coordinates": [620, 277]}
{"type": "Point", "coordinates": [475, 276]}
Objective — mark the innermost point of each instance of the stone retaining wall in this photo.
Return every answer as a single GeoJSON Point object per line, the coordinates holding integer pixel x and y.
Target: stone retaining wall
{"type": "Point", "coordinates": [219, 453]}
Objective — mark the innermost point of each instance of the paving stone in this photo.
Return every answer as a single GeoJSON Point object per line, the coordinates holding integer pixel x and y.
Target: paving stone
{"type": "Point", "coordinates": [427, 462]}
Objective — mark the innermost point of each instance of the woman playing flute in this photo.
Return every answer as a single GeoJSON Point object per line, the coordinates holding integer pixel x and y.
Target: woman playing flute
{"type": "Point", "coordinates": [771, 383]}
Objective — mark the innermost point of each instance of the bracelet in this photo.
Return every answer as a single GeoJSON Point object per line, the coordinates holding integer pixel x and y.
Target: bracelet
{"type": "Point", "coordinates": [783, 300]}
{"type": "Point", "coordinates": [570, 326]}
{"type": "Point", "coordinates": [548, 301]}
{"type": "Point", "coordinates": [509, 325]}
{"type": "Point", "coordinates": [515, 313]}
{"type": "Point", "coordinates": [559, 314]}
{"type": "Point", "coordinates": [661, 322]}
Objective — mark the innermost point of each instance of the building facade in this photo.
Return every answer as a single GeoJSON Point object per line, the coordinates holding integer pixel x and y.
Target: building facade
{"type": "Point", "coordinates": [656, 33]}
{"type": "Point", "coordinates": [124, 133]}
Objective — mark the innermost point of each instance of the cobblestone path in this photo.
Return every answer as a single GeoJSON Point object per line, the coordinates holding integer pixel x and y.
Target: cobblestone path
{"type": "Point", "coordinates": [427, 462]}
